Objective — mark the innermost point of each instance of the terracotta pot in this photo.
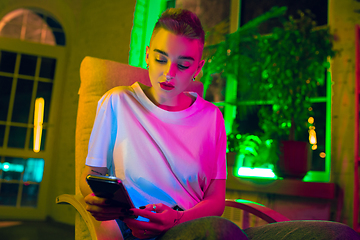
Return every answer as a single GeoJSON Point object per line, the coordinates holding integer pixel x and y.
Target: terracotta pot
{"type": "Point", "coordinates": [294, 160]}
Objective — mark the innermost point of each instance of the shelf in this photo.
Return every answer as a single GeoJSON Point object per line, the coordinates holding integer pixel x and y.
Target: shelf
{"type": "Point", "coordinates": [289, 187]}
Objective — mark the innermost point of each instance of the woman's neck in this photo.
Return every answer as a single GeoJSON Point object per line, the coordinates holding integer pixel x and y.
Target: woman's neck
{"type": "Point", "coordinates": [182, 102]}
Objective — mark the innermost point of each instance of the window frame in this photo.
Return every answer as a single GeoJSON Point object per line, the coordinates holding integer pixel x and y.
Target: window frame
{"type": "Point", "coordinates": [230, 110]}
{"type": "Point", "coordinates": [43, 50]}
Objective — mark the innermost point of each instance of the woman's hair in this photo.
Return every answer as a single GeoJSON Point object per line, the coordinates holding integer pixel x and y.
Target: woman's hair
{"type": "Point", "coordinates": [181, 22]}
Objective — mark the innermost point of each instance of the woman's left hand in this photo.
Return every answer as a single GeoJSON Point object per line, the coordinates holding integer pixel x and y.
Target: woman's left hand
{"type": "Point", "coordinates": [161, 218]}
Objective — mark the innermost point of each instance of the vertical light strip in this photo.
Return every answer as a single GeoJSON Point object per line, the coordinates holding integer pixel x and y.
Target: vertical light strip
{"type": "Point", "coordinates": [328, 133]}
{"type": "Point", "coordinates": [38, 122]}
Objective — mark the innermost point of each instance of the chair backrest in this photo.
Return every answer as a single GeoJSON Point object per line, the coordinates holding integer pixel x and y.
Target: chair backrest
{"type": "Point", "coordinates": [97, 76]}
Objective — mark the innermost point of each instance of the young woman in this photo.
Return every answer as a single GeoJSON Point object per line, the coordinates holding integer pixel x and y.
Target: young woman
{"type": "Point", "coordinates": [168, 146]}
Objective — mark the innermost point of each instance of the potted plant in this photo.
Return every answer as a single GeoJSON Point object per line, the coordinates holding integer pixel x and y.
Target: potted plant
{"type": "Point", "coordinates": [294, 61]}
{"type": "Point", "coordinates": [231, 56]}
{"type": "Point", "coordinates": [284, 69]}
{"type": "Point", "coordinates": [252, 151]}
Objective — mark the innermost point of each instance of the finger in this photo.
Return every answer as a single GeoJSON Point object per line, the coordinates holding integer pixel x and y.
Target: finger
{"type": "Point", "coordinates": [158, 208]}
{"type": "Point", "coordinates": [145, 213]}
{"type": "Point", "coordinates": [94, 200]}
{"type": "Point", "coordinates": [149, 226]}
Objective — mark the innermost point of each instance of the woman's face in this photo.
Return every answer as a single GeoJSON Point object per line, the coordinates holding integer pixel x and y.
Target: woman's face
{"type": "Point", "coordinates": [174, 58]}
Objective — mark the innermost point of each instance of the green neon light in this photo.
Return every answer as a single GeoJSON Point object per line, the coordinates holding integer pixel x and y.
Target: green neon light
{"type": "Point", "coordinates": [247, 201]}
{"type": "Point", "coordinates": [328, 128]}
{"type": "Point", "coordinates": [255, 173]}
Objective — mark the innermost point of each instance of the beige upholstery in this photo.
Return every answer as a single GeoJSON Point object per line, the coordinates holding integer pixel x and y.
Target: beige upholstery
{"type": "Point", "coordinates": [98, 76]}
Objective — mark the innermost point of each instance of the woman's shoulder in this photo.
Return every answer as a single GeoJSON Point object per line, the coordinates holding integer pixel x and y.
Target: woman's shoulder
{"type": "Point", "coordinates": [119, 91]}
{"type": "Point", "coordinates": [116, 95]}
{"type": "Point", "coordinates": [208, 105]}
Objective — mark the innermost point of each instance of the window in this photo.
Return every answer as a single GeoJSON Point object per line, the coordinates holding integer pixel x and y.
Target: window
{"type": "Point", "coordinates": [20, 181]}
{"type": "Point", "coordinates": [32, 25]}
{"type": "Point", "coordinates": [247, 118]}
{"type": "Point", "coordinates": [25, 75]}
{"type": "Point", "coordinates": [23, 78]}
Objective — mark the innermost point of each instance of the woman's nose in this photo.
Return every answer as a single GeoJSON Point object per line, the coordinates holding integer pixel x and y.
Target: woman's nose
{"type": "Point", "coordinates": [170, 71]}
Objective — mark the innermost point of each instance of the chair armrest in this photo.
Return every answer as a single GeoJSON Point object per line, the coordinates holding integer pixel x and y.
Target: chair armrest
{"type": "Point", "coordinates": [108, 230]}
{"type": "Point", "coordinates": [256, 209]}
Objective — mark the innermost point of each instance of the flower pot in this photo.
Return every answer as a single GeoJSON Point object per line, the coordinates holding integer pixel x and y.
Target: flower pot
{"type": "Point", "coordinates": [294, 160]}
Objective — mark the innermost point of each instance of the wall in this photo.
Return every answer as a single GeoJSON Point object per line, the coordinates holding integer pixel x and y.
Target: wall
{"type": "Point", "coordinates": [93, 28]}
{"type": "Point", "coordinates": [342, 19]}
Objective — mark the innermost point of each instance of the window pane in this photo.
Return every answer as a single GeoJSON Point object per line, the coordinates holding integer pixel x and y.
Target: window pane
{"type": "Point", "coordinates": [8, 193]}
{"type": "Point", "coordinates": [13, 168]}
{"type": "Point", "coordinates": [17, 20]}
{"type": "Point", "coordinates": [29, 195]}
{"type": "Point", "coordinates": [34, 20]}
{"type": "Point", "coordinates": [49, 37]}
{"type": "Point", "coordinates": [44, 90]}
{"type": "Point", "coordinates": [60, 38]}
{"type": "Point", "coordinates": [34, 170]}
{"type": "Point", "coordinates": [47, 68]}
{"type": "Point", "coordinates": [17, 137]}
{"type": "Point", "coordinates": [7, 61]}
{"type": "Point", "coordinates": [216, 90]}
{"type": "Point", "coordinates": [2, 134]}
{"type": "Point", "coordinates": [321, 90]}
{"type": "Point", "coordinates": [5, 90]}
{"type": "Point", "coordinates": [33, 34]}
{"type": "Point", "coordinates": [22, 101]}
{"type": "Point", "coordinates": [27, 65]}
{"type": "Point", "coordinates": [251, 9]}
{"type": "Point", "coordinates": [248, 119]}
{"type": "Point", "coordinates": [53, 23]}
{"type": "Point", "coordinates": [11, 31]}
{"type": "Point", "coordinates": [318, 160]}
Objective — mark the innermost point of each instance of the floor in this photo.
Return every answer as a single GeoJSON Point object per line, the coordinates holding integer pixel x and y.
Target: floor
{"type": "Point", "coordinates": [34, 230]}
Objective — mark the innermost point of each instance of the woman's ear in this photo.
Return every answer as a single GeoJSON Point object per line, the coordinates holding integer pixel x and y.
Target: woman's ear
{"type": "Point", "coordinates": [147, 55]}
{"type": "Point", "coordinates": [201, 64]}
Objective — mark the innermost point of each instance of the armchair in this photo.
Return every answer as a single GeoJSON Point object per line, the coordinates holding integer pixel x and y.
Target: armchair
{"type": "Point", "coordinates": [97, 76]}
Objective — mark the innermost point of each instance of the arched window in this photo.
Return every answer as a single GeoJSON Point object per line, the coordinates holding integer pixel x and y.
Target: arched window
{"type": "Point", "coordinates": [28, 70]}
{"type": "Point", "coordinates": [32, 25]}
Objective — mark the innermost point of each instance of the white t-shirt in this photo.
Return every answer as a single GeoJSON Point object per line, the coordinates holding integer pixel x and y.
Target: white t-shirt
{"type": "Point", "coordinates": [161, 156]}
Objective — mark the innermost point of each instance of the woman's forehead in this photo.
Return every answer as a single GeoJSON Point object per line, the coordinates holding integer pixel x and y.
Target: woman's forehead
{"type": "Point", "coordinates": [173, 44]}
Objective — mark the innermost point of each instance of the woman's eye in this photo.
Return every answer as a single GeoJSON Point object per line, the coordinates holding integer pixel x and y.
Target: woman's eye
{"type": "Point", "coordinates": [160, 60]}
{"type": "Point", "coordinates": [182, 67]}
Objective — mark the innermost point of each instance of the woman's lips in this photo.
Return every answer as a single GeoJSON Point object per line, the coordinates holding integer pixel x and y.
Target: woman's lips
{"type": "Point", "coordinates": [166, 86]}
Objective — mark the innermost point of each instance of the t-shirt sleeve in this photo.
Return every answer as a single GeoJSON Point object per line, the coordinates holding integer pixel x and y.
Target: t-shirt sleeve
{"type": "Point", "coordinates": [102, 138]}
{"type": "Point", "coordinates": [220, 165]}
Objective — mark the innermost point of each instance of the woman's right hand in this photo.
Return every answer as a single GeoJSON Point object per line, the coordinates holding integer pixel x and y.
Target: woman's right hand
{"type": "Point", "coordinates": [102, 209]}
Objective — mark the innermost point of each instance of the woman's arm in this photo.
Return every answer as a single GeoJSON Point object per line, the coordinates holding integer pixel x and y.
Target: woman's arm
{"type": "Point", "coordinates": [99, 207]}
{"type": "Point", "coordinates": [84, 187]}
{"type": "Point", "coordinates": [165, 217]}
{"type": "Point", "coordinates": [213, 203]}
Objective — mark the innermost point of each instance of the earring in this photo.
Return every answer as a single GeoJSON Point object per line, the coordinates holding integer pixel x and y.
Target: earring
{"type": "Point", "coordinates": [193, 78]}
{"type": "Point", "coordinates": [147, 66]}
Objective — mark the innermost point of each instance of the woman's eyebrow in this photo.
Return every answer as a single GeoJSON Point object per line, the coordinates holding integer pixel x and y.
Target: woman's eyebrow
{"type": "Point", "coordinates": [162, 52]}
{"type": "Point", "coordinates": [180, 57]}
